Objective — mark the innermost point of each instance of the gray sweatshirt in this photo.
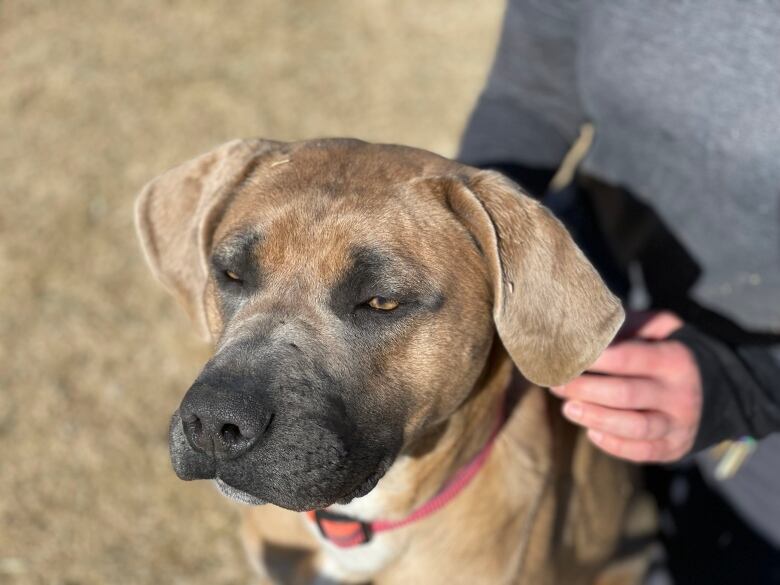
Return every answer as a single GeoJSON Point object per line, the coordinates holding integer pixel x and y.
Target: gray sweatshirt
{"type": "Point", "coordinates": [684, 96]}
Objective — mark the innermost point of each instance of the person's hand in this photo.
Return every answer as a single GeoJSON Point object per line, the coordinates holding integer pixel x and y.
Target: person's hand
{"type": "Point", "coordinates": [642, 399]}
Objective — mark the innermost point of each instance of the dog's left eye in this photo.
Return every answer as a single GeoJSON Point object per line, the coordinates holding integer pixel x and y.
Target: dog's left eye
{"type": "Point", "coordinates": [382, 303]}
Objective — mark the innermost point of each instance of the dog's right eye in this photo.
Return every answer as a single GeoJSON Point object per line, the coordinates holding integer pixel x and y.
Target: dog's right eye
{"type": "Point", "coordinates": [229, 279]}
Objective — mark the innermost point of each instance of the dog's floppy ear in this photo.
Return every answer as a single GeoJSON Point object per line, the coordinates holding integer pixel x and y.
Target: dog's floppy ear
{"type": "Point", "coordinates": [552, 311]}
{"type": "Point", "coordinates": [176, 215]}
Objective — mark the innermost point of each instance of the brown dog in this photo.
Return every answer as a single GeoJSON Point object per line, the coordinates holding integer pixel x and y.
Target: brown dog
{"type": "Point", "coordinates": [367, 303]}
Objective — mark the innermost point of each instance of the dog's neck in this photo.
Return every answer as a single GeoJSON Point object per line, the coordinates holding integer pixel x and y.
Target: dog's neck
{"type": "Point", "coordinates": [427, 465]}
{"type": "Point", "coordinates": [523, 446]}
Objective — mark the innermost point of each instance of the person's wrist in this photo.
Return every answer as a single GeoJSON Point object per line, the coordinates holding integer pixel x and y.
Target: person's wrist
{"type": "Point", "coordinates": [717, 421]}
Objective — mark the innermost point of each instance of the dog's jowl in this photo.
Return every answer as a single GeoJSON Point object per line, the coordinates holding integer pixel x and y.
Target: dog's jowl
{"type": "Point", "coordinates": [383, 322]}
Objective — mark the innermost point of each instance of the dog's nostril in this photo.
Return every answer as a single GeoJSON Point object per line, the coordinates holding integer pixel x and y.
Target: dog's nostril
{"type": "Point", "coordinates": [189, 418]}
{"type": "Point", "coordinates": [230, 434]}
{"type": "Point", "coordinates": [192, 423]}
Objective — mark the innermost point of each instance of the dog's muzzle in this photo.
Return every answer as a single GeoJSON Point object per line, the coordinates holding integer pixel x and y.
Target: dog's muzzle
{"type": "Point", "coordinates": [289, 445]}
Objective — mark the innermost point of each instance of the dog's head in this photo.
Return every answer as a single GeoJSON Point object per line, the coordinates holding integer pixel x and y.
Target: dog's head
{"type": "Point", "coordinates": [353, 292]}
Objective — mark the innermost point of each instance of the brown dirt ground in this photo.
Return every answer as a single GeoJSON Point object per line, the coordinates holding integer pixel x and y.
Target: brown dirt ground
{"type": "Point", "coordinates": [96, 98]}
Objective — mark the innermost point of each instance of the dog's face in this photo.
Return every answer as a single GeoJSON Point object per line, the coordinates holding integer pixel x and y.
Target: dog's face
{"type": "Point", "coordinates": [353, 292]}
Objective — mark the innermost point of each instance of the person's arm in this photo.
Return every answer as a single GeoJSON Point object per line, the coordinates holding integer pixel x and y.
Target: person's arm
{"type": "Point", "coordinates": [529, 112]}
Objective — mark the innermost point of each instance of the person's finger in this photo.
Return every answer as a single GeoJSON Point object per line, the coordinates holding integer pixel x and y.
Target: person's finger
{"type": "Point", "coordinates": [638, 451]}
{"type": "Point", "coordinates": [631, 358]}
{"type": "Point", "coordinates": [635, 320]}
{"type": "Point", "coordinates": [628, 424]}
{"type": "Point", "coordinates": [613, 391]}
{"type": "Point", "coordinates": [649, 325]}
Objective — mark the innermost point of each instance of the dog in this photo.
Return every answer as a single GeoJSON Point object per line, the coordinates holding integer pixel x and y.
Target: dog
{"type": "Point", "coordinates": [385, 322]}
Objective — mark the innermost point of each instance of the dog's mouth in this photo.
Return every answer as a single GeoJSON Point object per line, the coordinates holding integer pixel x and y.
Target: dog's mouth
{"type": "Point", "coordinates": [242, 497]}
{"type": "Point", "coordinates": [236, 494]}
{"type": "Point", "coordinates": [367, 485]}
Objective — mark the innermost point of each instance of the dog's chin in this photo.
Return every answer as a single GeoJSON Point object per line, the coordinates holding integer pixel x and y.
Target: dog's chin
{"type": "Point", "coordinates": [248, 499]}
{"type": "Point", "coordinates": [362, 489]}
{"type": "Point", "coordinates": [237, 495]}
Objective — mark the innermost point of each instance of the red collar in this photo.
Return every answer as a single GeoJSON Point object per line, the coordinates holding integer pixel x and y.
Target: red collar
{"type": "Point", "coordinates": [346, 532]}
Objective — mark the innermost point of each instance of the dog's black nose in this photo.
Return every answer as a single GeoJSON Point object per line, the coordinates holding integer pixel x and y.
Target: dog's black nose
{"type": "Point", "coordinates": [223, 424]}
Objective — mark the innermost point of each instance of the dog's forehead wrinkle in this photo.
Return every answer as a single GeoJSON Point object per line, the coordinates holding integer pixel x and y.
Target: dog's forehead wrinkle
{"type": "Point", "coordinates": [308, 222]}
{"type": "Point", "coordinates": [305, 227]}
{"type": "Point", "coordinates": [239, 244]}
{"type": "Point", "coordinates": [378, 266]}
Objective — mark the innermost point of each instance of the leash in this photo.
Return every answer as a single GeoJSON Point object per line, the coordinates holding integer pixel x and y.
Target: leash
{"type": "Point", "coordinates": [347, 532]}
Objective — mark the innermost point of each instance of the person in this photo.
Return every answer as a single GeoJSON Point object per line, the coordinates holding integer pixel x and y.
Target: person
{"type": "Point", "coordinates": [677, 203]}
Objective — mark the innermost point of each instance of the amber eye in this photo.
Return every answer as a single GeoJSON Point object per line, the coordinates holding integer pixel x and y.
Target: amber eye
{"type": "Point", "coordinates": [383, 304]}
{"type": "Point", "coordinates": [232, 275]}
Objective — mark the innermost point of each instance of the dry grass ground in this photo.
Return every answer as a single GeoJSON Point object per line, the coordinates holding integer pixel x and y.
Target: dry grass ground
{"type": "Point", "coordinates": [95, 98]}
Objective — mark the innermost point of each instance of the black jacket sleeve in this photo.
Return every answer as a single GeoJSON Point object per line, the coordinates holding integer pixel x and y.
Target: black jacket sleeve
{"type": "Point", "coordinates": [741, 386]}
